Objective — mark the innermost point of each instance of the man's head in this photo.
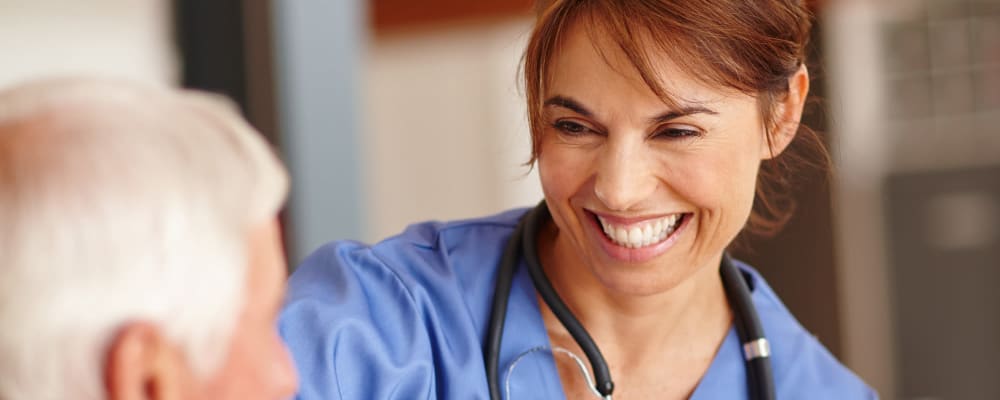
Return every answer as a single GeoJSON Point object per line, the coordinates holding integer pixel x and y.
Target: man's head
{"type": "Point", "coordinates": [139, 253]}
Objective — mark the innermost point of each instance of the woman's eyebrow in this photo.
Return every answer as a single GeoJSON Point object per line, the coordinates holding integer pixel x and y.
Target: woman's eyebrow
{"type": "Point", "coordinates": [575, 106]}
{"type": "Point", "coordinates": [570, 104]}
{"type": "Point", "coordinates": [683, 111]}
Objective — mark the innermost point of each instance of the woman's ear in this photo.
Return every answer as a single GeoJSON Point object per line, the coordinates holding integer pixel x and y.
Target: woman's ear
{"type": "Point", "coordinates": [788, 115]}
{"type": "Point", "coordinates": [141, 364]}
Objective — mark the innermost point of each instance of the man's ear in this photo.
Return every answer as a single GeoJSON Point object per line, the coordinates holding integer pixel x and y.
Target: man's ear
{"type": "Point", "coordinates": [141, 364]}
{"type": "Point", "coordinates": [788, 115]}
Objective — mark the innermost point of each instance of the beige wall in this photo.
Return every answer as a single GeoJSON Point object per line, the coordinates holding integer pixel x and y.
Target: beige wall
{"type": "Point", "coordinates": [444, 126]}
{"type": "Point", "coordinates": [129, 38]}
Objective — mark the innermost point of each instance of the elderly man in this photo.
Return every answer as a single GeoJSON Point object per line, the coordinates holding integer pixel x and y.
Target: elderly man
{"type": "Point", "coordinates": [140, 256]}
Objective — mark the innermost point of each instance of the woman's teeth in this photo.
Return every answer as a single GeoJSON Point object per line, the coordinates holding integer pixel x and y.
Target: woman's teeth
{"type": "Point", "coordinates": [642, 234]}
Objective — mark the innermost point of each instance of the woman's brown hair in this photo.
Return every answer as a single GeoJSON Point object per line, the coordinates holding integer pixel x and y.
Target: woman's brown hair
{"type": "Point", "coordinates": [752, 46]}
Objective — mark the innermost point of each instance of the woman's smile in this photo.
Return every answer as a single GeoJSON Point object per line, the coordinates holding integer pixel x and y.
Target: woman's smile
{"type": "Point", "coordinates": [636, 239]}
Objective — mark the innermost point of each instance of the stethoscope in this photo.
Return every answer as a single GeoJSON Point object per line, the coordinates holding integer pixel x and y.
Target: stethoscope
{"type": "Point", "coordinates": [756, 350]}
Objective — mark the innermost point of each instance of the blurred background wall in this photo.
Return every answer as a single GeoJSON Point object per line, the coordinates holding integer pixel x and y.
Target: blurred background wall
{"type": "Point", "coordinates": [390, 112]}
{"type": "Point", "coordinates": [446, 133]}
{"type": "Point", "coordinates": [914, 122]}
{"type": "Point", "coordinates": [111, 37]}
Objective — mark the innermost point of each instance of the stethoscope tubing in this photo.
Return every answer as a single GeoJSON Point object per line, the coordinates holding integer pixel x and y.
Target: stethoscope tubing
{"type": "Point", "coordinates": [760, 381]}
{"type": "Point", "coordinates": [602, 374]}
{"type": "Point", "coordinates": [505, 278]}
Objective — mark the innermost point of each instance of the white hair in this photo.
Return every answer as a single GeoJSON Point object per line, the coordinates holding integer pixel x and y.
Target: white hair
{"type": "Point", "coordinates": [118, 203]}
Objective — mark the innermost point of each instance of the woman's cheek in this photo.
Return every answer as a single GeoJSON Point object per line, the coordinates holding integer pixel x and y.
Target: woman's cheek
{"type": "Point", "coordinates": [559, 171]}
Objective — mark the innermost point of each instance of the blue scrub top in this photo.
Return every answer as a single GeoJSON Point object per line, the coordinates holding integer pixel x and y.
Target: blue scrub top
{"type": "Point", "coordinates": [407, 319]}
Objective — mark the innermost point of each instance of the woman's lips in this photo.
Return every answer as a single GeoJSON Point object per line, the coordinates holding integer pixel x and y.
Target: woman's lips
{"type": "Point", "coordinates": [641, 234]}
{"type": "Point", "coordinates": [638, 240]}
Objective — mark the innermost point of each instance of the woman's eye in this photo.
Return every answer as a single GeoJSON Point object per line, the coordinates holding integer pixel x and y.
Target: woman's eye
{"type": "Point", "coordinates": [678, 132]}
{"type": "Point", "coordinates": [570, 127]}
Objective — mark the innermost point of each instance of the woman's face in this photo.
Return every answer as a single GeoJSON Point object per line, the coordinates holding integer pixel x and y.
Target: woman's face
{"type": "Point", "coordinates": [644, 194]}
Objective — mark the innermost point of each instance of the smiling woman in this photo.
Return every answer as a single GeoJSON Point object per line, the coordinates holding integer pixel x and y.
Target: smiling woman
{"type": "Point", "coordinates": [657, 128]}
{"type": "Point", "coordinates": [648, 150]}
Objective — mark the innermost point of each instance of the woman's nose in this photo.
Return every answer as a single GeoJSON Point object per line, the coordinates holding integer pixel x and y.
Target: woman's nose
{"type": "Point", "coordinates": [625, 176]}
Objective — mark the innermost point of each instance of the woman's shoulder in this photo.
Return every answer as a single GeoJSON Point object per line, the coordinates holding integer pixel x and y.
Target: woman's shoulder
{"type": "Point", "coordinates": [428, 261]}
{"type": "Point", "coordinates": [478, 237]}
{"type": "Point", "coordinates": [431, 247]}
{"type": "Point", "coordinates": [361, 319]}
{"type": "Point", "coordinates": [801, 364]}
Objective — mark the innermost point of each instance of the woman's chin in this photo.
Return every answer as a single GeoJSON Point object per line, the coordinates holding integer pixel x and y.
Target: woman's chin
{"type": "Point", "coordinates": [640, 271]}
{"type": "Point", "coordinates": [637, 282]}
